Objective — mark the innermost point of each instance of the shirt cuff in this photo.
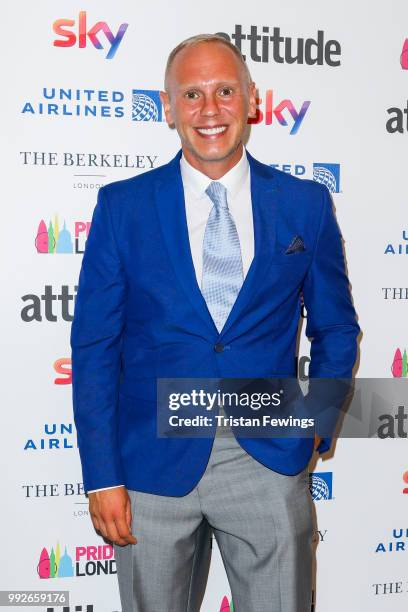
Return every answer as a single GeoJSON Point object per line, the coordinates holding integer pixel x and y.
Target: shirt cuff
{"type": "Point", "coordinates": [105, 488]}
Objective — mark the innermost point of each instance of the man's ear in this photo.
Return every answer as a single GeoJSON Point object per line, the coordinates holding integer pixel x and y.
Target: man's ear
{"type": "Point", "coordinates": [252, 107]}
{"type": "Point", "coordinates": [165, 100]}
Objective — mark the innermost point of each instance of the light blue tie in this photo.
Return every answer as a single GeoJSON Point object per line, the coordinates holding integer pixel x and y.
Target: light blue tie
{"type": "Point", "coordinates": [222, 261]}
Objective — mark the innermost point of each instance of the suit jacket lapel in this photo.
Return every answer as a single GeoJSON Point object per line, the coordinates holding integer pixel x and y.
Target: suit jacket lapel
{"type": "Point", "coordinates": [172, 216]}
{"type": "Point", "coordinates": [264, 195]}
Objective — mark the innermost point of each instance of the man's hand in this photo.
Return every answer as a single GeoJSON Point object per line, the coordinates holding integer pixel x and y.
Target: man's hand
{"type": "Point", "coordinates": [111, 515]}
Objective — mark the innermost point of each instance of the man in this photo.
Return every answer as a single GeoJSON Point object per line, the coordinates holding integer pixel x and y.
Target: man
{"type": "Point", "coordinates": [195, 269]}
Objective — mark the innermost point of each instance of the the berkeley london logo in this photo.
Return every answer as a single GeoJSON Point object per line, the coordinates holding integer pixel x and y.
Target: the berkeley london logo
{"type": "Point", "coordinates": [146, 105]}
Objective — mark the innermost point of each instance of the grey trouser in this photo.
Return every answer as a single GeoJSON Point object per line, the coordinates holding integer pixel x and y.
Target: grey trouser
{"type": "Point", "coordinates": [263, 523]}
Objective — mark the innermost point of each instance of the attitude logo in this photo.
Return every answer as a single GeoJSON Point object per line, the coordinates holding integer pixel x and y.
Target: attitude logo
{"type": "Point", "coordinates": [404, 55]}
{"type": "Point", "coordinates": [146, 105]}
{"type": "Point", "coordinates": [398, 119]}
{"type": "Point", "coordinates": [51, 305]}
{"type": "Point", "coordinates": [77, 608]}
{"type": "Point", "coordinates": [226, 606]}
{"type": "Point", "coordinates": [397, 543]}
{"type": "Point", "coordinates": [321, 485]}
{"type": "Point", "coordinates": [399, 367]}
{"type": "Point", "coordinates": [398, 248]}
{"type": "Point", "coordinates": [327, 174]}
{"type": "Point", "coordinates": [270, 45]}
{"type": "Point", "coordinates": [270, 111]}
{"type": "Point", "coordinates": [54, 240]}
{"type": "Point", "coordinates": [89, 561]}
{"type": "Point", "coordinates": [62, 27]}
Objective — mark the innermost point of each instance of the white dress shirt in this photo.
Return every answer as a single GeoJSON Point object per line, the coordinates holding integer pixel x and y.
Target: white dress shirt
{"type": "Point", "coordinates": [198, 207]}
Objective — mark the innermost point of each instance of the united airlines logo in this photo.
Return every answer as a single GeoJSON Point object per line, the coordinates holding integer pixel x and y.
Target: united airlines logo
{"type": "Point", "coordinates": [327, 174]}
{"type": "Point", "coordinates": [321, 485]}
{"type": "Point", "coordinates": [146, 105]}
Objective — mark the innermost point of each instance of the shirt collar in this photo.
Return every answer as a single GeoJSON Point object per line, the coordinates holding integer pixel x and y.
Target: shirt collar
{"type": "Point", "coordinates": [197, 181]}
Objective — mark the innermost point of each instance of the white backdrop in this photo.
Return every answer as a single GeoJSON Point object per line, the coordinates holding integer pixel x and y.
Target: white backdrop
{"type": "Point", "coordinates": [49, 172]}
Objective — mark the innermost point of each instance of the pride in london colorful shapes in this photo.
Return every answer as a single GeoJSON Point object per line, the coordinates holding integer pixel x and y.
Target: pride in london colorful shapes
{"type": "Point", "coordinates": [54, 565]}
{"type": "Point", "coordinates": [226, 606]}
{"type": "Point", "coordinates": [399, 366]}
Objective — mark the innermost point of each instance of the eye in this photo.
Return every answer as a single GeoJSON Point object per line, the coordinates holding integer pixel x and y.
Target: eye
{"type": "Point", "coordinates": [191, 95]}
{"type": "Point", "coordinates": [226, 91]}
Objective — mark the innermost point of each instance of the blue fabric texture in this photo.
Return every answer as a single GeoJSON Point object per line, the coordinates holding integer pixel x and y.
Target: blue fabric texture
{"type": "Point", "coordinates": [140, 314]}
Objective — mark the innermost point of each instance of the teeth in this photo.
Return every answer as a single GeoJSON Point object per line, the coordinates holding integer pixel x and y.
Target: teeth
{"type": "Point", "coordinates": [214, 130]}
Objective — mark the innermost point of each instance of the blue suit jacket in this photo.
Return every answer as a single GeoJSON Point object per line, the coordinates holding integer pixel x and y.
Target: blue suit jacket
{"type": "Point", "coordinates": [140, 315]}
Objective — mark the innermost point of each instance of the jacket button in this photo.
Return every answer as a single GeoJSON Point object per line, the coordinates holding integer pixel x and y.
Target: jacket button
{"type": "Point", "coordinates": [218, 348]}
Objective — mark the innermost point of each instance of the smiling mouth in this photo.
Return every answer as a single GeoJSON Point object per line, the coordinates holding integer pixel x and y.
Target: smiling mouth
{"type": "Point", "coordinates": [212, 131]}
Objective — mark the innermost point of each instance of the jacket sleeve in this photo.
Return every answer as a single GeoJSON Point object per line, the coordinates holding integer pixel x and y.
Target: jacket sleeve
{"type": "Point", "coordinates": [331, 319]}
{"type": "Point", "coordinates": [96, 336]}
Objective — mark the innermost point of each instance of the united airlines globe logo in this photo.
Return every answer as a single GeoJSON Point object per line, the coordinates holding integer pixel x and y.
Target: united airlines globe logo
{"type": "Point", "coordinates": [321, 485]}
{"type": "Point", "coordinates": [328, 175]}
{"type": "Point", "coordinates": [146, 105]}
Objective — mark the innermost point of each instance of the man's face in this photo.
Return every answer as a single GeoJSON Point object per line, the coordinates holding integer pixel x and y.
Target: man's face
{"type": "Point", "coordinates": [208, 100]}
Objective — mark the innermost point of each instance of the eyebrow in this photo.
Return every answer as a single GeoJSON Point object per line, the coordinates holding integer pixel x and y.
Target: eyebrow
{"type": "Point", "coordinates": [196, 86]}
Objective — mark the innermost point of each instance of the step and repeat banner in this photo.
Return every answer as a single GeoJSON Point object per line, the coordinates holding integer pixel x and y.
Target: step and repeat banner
{"type": "Point", "coordinates": [81, 109]}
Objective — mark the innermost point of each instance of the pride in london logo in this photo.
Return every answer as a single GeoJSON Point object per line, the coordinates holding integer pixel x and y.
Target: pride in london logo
{"type": "Point", "coordinates": [404, 55]}
{"type": "Point", "coordinates": [53, 565]}
{"type": "Point", "coordinates": [87, 561]}
{"type": "Point", "coordinates": [399, 366]}
{"type": "Point", "coordinates": [226, 606]}
{"type": "Point", "coordinates": [53, 239]}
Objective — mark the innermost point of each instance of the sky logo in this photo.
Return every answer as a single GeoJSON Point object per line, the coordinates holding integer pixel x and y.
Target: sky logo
{"type": "Point", "coordinates": [285, 107]}
{"type": "Point", "coordinates": [62, 27]}
{"type": "Point", "coordinates": [405, 479]}
{"type": "Point", "coordinates": [321, 485]}
{"type": "Point", "coordinates": [146, 105]}
{"type": "Point", "coordinates": [327, 174]}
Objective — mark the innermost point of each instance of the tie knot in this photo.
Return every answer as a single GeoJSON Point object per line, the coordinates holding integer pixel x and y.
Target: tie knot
{"type": "Point", "coordinates": [217, 194]}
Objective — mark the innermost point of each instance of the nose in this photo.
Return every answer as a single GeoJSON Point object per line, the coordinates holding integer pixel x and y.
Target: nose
{"type": "Point", "coordinates": [210, 105]}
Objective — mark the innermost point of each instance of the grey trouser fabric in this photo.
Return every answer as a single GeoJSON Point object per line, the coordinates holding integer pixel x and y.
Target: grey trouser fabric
{"type": "Point", "coordinates": [263, 523]}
